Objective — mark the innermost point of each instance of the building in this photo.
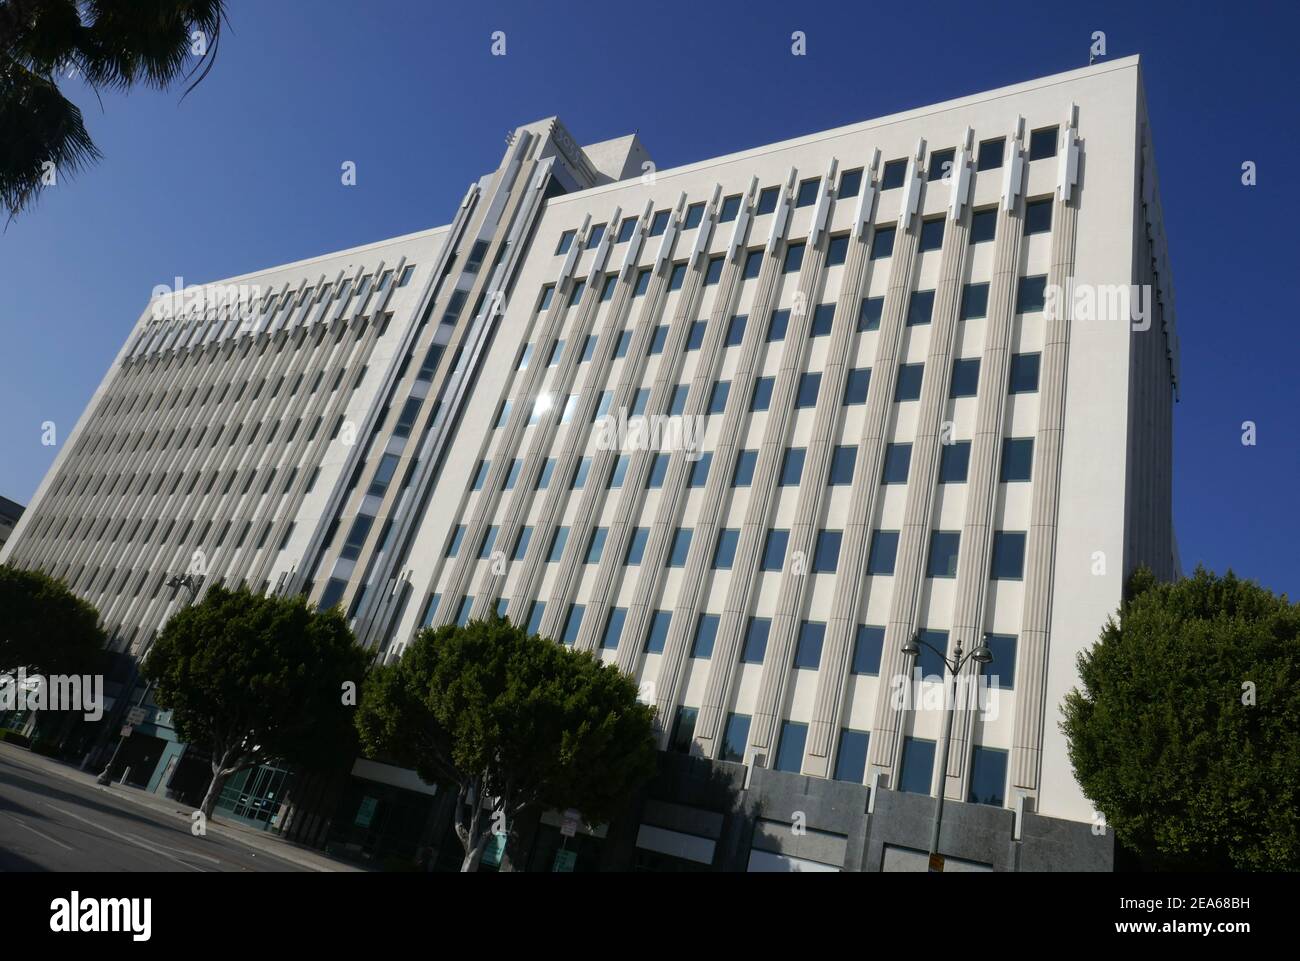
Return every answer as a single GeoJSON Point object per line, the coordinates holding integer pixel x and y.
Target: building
{"type": "Point", "coordinates": [10, 513]}
{"type": "Point", "coordinates": [744, 427]}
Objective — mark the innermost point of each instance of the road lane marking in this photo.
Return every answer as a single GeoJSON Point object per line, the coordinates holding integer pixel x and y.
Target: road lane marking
{"type": "Point", "coordinates": [188, 854]}
{"type": "Point", "coordinates": [66, 847]}
{"type": "Point", "coordinates": [125, 837]}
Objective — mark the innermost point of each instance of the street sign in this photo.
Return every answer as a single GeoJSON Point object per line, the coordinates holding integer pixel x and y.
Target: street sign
{"type": "Point", "coordinates": [126, 730]}
{"type": "Point", "coordinates": [366, 812]}
{"type": "Point", "coordinates": [564, 862]}
{"type": "Point", "coordinates": [569, 828]}
{"type": "Point", "coordinates": [136, 715]}
{"type": "Point", "coordinates": [936, 863]}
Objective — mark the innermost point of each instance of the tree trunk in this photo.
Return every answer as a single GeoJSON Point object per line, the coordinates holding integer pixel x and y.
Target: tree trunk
{"type": "Point", "coordinates": [472, 858]}
{"type": "Point", "coordinates": [219, 778]}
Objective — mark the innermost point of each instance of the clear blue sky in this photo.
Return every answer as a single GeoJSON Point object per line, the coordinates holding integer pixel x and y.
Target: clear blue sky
{"type": "Point", "coordinates": [244, 174]}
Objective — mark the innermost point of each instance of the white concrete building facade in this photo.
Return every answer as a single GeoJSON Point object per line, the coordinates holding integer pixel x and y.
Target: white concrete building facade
{"type": "Point", "coordinates": [744, 428]}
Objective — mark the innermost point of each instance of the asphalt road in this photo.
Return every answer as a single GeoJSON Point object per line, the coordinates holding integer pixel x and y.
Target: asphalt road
{"type": "Point", "coordinates": [48, 823]}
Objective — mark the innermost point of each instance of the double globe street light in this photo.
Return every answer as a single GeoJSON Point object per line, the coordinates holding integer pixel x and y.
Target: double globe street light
{"type": "Point", "coordinates": [980, 655]}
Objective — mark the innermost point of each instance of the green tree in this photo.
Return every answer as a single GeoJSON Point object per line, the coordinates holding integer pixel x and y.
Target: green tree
{"type": "Point", "coordinates": [44, 627]}
{"type": "Point", "coordinates": [1186, 733]}
{"type": "Point", "coordinates": [494, 713]}
{"type": "Point", "coordinates": [110, 45]}
{"type": "Point", "coordinates": [255, 678]}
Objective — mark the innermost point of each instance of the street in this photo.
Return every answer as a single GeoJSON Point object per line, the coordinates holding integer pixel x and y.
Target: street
{"type": "Point", "coordinates": [50, 823]}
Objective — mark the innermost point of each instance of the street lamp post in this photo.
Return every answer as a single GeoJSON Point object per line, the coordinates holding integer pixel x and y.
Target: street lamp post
{"type": "Point", "coordinates": [191, 583]}
{"type": "Point", "coordinates": [980, 655]}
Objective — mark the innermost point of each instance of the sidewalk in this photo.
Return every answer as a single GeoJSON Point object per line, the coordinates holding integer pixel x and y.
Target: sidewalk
{"type": "Point", "coordinates": [304, 857]}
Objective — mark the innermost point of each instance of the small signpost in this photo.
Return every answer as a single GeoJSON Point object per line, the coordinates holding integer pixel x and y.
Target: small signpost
{"type": "Point", "coordinates": [564, 862]}
{"type": "Point", "coordinates": [126, 730]}
{"type": "Point", "coordinates": [136, 715]}
{"type": "Point", "coordinates": [569, 828]}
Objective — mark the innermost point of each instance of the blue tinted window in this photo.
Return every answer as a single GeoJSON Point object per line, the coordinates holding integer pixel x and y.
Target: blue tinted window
{"type": "Point", "coordinates": [983, 225]}
{"type": "Point", "coordinates": [789, 752]}
{"type": "Point", "coordinates": [931, 234]}
{"type": "Point", "coordinates": [573, 623]}
{"type": "Point", "coordinates": [642, 283]}
{"type": "Point", "coordinates": [767, 200]}
{"type": "Point", "coordinates": [943, 553]}
{"type": "Point", "coordinates": [851, 757]}
{"type": "Point", "coordinates": [735, 737]}
{"type": "Point", "coordinates": [821, 320]}
{"type": "Point", "coordinates": [894, 174]}
{"type": "Point", "coordinates": [658, 633]}
{"type": "Point", "coordinates": [869, 313]}
{"type": "Point", "coordinates": [1001, 671]}
{"type": "Point", "coordinates": [576, 295]}
{"type": "Point", "coordinates": [462, 615]}
{"type": "Point", "coordinates": [566, 241]}
{"type": "Point", "coordinates": [1042, 143]}
{"type": "Point", "coordinates": [918, 766]}
{"type": "Point", "coordinates": [683, 730]}
{"type": "Point", "coordinates": [807, 195]}
{"type": "Point", "coordinates": [882, 243]}
{"type": "Point", "coordinates": [856, 384]}
{"type": "Point", "coordinates": [588, 348]}
{"type": "Point", "coordinates": [867, 648]}
{"type": "Point", "coordinates": [974, 301]}
{"type": "Point", "coordinates": [965, 377]}
{"type": "Point", "coordinates": [753, 264]}
{"type": "Point", "coordinates": [613, 628]}
{"type": "Point", "coordinates": [762, 398]}
{"type": "Point", "coordinates": [636, 545]}
{"type": "Point", "coordinates": [429, 611]}
{"type": "Point", "coordinates": [456, 537]}
{"type": "Point", "coordinates": [521, 543]}
{"type": "Point", "coordinates": [809, 385]}
{"type": "Point", "coordinates": [580, 474]}
{"type": "Point", "coordinates": [988, 777]}
{"type": "Point", "coordinates": [658, 471]}
{"type": "Point", "coordinates": [535, 617]}
{"type": "Point", "coordinates": [843, 459]}
{"type": "Point", "coordinates": [954, 462]}
{"type": "Point", "coordinates": [619, 473]}
{"type": "Point", "coordinates": [700, 470]}
{"type": "Point", "coordinates": [725, 554]}
{"type": "Point", "coordinates": [730, 209]}
{"type": "Point", "coordinates": [695, 336]}
{"type": "Point", "coordinates": [489, 538]}
{"type": "Point", "coordinates": [658, 339]}
{"type": "Point", "coordinates": [1038, 216]}
{"type": "Point", "coordinates": [640, 400]}
{"type": "Point", "coordinates": [745, 462]}
{"type": "Point", "coordinates": [884, 548]}
{"type": "Point", "coordinates": [837, 251]}
{"type": "Point", "coordinates": [558, 540]}
{"type": "Point", "coordinates": [991, 153]}
{"type": "Point", "coordinates": [774, 550]}
{"type": "Point", "coordinates": [1008, 555]}
{"type": "Point", "coordinates": [898, 457]}
{"type": "Point", "coordinates": [502, 604]}
{"type": "Point", "coordinates": [681, 546]}
{"type": "Point", "coordinates": [808, 650]}
{"type": "Point", "coordinates": [678, 403]}
{"type": "Point", "coordinates": [481, 475]}
{"type": "Point", "coordinates": [706, 632]}
{"type": "Point", "coordinates": [736, 330]}
{"type": "Point", "coordinates": [792, 466]}
{"type": "Point", "coordinates": [596, 545]}
{"type": "Point", "coordinates": [620, 349]}
{"type": "Point", "coordinates": [516, 466]}
{"type": "Point", "coordinates": [625, 229]}
{"type": "Point", "coordinates": [826, 557]}
{"type": "Point", "coordinates": [544, 478]}
{"type": "Point", "coordinates": [718, 397]}
{"type": "Point", "coordinates": [930, 661]}
{"type": "Point", "coordinates": [659, 224]}
{"type": "Point", "coordinates": [694, 214]}
{"type": "Point", "coordinates": [756, 640]}
{"type": "Point", "coordinates": [1023, 378]}
{"type": "Point", "coordinates": [1017, 459]}
{"type": "Point", "coordinates": [920, 308]}
{"type": "Point", "coordinates": [777, 325]}
{"type": "Point", "coordinates": [909, 382]}
{"type": "Point", "coordinates": [850, 183]}
{"type": "Point", "coordinates": [941, 162]}
{"type": "Point", "coordinates": [677, 277]}
{"type": "Point", "coordinates": [1031, 294]}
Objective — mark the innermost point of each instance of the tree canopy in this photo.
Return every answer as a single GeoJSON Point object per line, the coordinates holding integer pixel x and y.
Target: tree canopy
{"type": "Point", "coordinates": [1186, 732]}
{"type": "Point", "coordinates": [495, 713]}
{"type": "Point", "coordinates": [253, 678]}
{"type": "Point", "coordinates": [108, 44]}
{"type": "Point", "coordinates": [44, 627]}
